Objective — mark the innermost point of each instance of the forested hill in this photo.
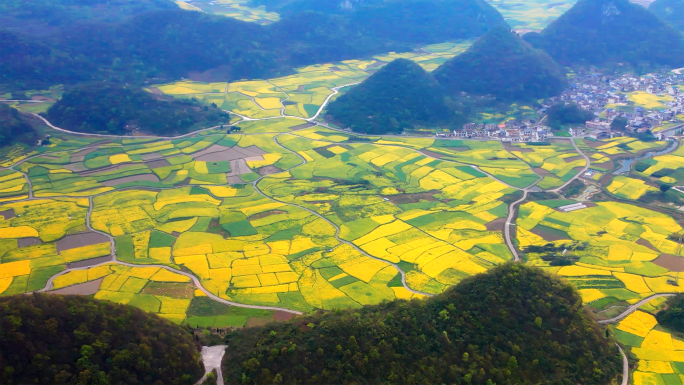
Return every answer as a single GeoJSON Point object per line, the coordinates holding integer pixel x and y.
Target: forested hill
{"type": "Point", "coordinates": [170, 44]}
{"type": "Point", "coordinates": [600, 31]}
{"type": "Point", "coordinates": [54, 339]}
{"type": "Point", "coordinates": [501, 64]}
{"type": "Point", "coordinates": [43, 17]}
{"type": "Point", "coordinates": [669, 11]}
{"type": "Point", "coordinates": [397, 96]}
{"type": "Point", "coordinates": [511, 325]}
{"type": "Point", "coordinates": [14, 127]}
{"type": "Point", "coordinates": [112, 109]}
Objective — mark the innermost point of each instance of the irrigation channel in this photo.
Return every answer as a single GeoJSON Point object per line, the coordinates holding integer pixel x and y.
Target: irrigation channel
{"type": "Point", "coordinates": [626, 164]}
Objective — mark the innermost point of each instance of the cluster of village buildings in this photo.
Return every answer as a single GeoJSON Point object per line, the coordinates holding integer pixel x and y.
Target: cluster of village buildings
{"type": "Point", "coordinates": [607, 98]}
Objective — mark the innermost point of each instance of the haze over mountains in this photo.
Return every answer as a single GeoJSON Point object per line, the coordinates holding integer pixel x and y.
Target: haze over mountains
{"type": "Point", "coordinates": [669, 11]}
{"type": "Point", "coordinates": [600, 31]}
{"type": "Point", "coordinates": [173, 43]}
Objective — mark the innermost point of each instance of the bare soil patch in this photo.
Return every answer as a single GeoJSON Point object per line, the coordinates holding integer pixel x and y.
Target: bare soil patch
{"type": "Point", "coordinates": [573, 158]}
{"type": "Point", "coordinates": [607, 165]}
{"type": "Point", "coordinates": [433, 154]}
{"type": "Point", "coordinates": [589, 204]}
{"type": "Point", "coordinates": [235, 180]}
{"type": "Point", "coordinates": [156, 91]}
{"type": "Point", "coordinates": [283, 315]}
{"type": "Point", "coordinates": [594, 143]}
{"type": "Point", "coordinates": [86, 288]}
{"type": "Point", "coordinates": [7, 214]}
{"type": "Point", "coordinates": [540, 171]}
{"type": "Point", "coordinates": [268, 170]}
{"type": "Point", "coordinates": [175, 234]}
{"type": "Point", "coordinates": [399, 199]}
{"type": "Point", "coordinates": [79, 240]}
{"type": "Point", "coordinates": [132, 178]}
{"type": "Point", "coordinates": [670, 262]}
{"type": "Point", "coordinates": [496, 225]}
{"type": "Point", "coordinates": [170, 289]}
{"type": "Point", "coordinates": [238, 167]}
{"type": "Point", "coordinates": [644, 242]}
{"type": "Point", "coordinates": [157, 163]}
{"type": "Point", "coordinates": [218, 153]}
{"type": "Point", "coordinates": [301, 88]}
{"type": "Point", "coordinates": [30, 241]}
{"type": "Point", "coordinates": [266, 214]}
{"type": "Point", "coordinates": [76, 167]}
{"type": "Point", "coordinates": [151, 156]}
{"type": "Point", "coordinates": [89, 262]}
{"type": "Point", "coordinates": [334, 69]}
{"type": "Point", "coordinates": [254, 322]}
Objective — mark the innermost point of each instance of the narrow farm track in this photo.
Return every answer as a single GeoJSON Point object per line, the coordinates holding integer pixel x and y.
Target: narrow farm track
{"type": "Point", "coordinates": [625, 366]}
{"type": "Point", "coordinates": [586, 167]}
{"type": "Point", "coordinates": [634, 308]}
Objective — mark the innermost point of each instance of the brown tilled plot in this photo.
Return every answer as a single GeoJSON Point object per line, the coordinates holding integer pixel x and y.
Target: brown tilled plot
{"type": "Point", "coordinates": [7, 214]}
{"type": "Point", "coordinates": [670, 262]}
{"type": "Point", "coordinates": [30, 241]}
{"type": "Point", "coordinates": [86, 288]}
{"type": "Point", "coordinates": [79, 240]}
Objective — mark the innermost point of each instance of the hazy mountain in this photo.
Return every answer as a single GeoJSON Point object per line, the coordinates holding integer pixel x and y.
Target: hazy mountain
{"type": "Point", "coordinates": [501, 64]}
{"type": "Point", "coordinates": [44, 17]}
{"type": "Point", "coordinates": [600, 31]}
{"type": "Point", "coordinates": [669, 11]}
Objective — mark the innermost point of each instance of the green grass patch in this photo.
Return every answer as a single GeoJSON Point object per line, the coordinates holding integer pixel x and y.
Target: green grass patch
{"type": "Point", "coordinates": [161, 239]}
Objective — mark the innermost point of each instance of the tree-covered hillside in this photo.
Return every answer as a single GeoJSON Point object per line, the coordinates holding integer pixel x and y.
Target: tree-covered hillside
{"type": "Point", "coordinates": [107, 108]}
{"type": "Point", "coordinates": [501, 64]}
{"type": "Point", "coordinates": [53, 339]}
{"type": "Point", "coordinates": [564, 115]}
{"type": "Point", "coordinates": [601, 31]}
{"type": "Point", "coordinates": [43, 17]}
{"type": "Point", "coordinates": [391, 100]}
{"type": "Point", "coordinates": [14, 127]}
{"type": "Point", "coordinates": [669, 11]}
{"type": "Point", "coordinates": [511, 325]}
{"type": "Point", "coordinates": [673, 316]}
{"type": "Point", "coordinates": [170, 44]}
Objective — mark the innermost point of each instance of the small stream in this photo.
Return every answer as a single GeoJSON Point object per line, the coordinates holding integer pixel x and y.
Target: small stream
{"type": "Point", "coordinates": [625, 164]}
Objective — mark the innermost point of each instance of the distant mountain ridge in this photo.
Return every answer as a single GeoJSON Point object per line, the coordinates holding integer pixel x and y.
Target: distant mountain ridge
{"type": "Point", "coordinates": [669, 11]}
{"type": "Point", "coordinates": [601, 31]}
{"type": "Point", "coordinates": [399, 95]}
{"type": "Point", "coordinates": [169, 44]}
{"type": "Point", "coordinates": [501, 64]}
